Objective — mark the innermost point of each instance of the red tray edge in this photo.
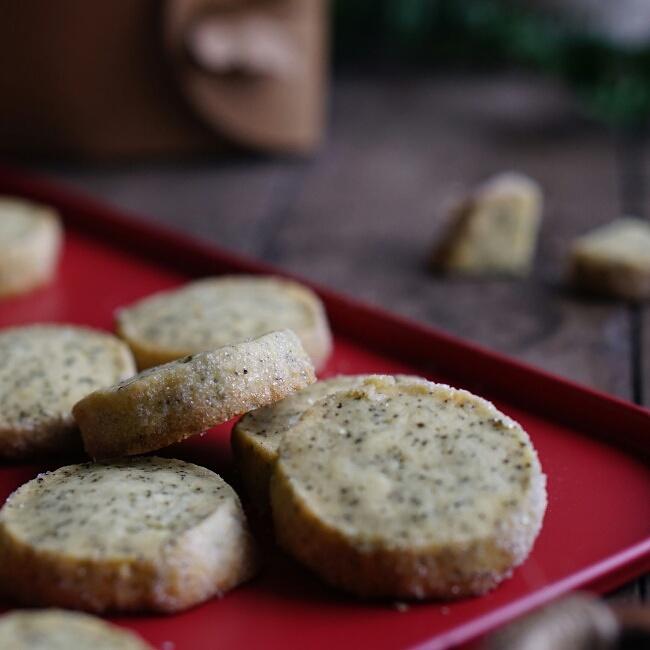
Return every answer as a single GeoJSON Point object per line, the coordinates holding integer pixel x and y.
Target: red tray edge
{"type": "Point", "coordinates": [598, 578]}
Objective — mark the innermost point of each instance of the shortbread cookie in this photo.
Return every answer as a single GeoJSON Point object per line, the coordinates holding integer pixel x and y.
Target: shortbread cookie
{"type": "Point", "coordinates": [614, 260]}
{"type": "Point", "coordinates": [146, 534]}
{"type": "Point", "coordinates": [214, 312]}
{"type": "Point", "coordinates": [493, 231]}
{"type": "Point", "coordinates": [54, 629]}
{"type": "Point", "coordinates": [408, 491]}
{"type": "Point", "coordinates": [257, 436]}
{"type": "Point", "coordinates": [168, 403]}
{"type": "Point", "coordinates": [30, 242]}
{"type": "Point", "coordinates": [44, 371]}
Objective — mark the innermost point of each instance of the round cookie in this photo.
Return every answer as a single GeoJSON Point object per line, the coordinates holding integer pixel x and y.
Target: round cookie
{"type": "Point", "coordinates": [45, 370]}
{"type": "Point", "coordinates": [256, 437]}
{"type": "Point", "coordinates": [171, 402]}
{"type": "Point", "coordinates": [214, 312]}
{"type": "Point", "coordinates": [408, 491]}
{"type": "Point", "coordinates": [614, 260]}
{"type": "Point", "coordinates": [146, 534]}
{"type": "Point", "coordinates": [30, 242]}
{"type": "Point", "coordinates": [54, 629]}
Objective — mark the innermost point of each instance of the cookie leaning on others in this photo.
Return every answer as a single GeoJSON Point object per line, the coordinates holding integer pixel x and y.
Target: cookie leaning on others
{"type": "Point", "coordinates": [169, 403]}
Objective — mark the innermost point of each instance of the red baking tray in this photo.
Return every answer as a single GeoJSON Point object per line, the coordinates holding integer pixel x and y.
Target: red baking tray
{"type": "Point", "coordinates": [594, 449]}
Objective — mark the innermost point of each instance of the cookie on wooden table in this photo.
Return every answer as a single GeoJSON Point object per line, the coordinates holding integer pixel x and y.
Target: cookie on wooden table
{"type": "Point", "coordinates": [44, 371]}
{"type": "Point", "coordinates": [146, 534]}
{"type": "Point", "coordinates": [257, 436]}
{"type": "Point", "coordinates": [493, 230]}
{"type": "Point", "coordinates": [214, 312]}
{"type": "Point", "coordinates": [30, 242]}
{"type": "Point", "coordinates": [410, 490]}
{"type": "Point", "coordinates": [614, 260]}
{"type": "Point", "coordinates": [54, 629]}
{"type": "Point", "coordinates": [169, 403]}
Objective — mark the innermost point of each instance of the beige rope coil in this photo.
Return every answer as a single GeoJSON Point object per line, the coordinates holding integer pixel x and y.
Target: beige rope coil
{"type": "Point", "coordinates": [575, 623]}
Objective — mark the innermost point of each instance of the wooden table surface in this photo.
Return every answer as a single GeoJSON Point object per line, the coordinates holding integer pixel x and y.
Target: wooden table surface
{"type": "Point", "coordinates": [361, 215]}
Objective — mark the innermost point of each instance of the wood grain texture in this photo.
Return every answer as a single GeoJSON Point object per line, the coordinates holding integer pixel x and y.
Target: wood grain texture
{"type": "Point", "coordinates": [642, 316]}
{"type": "Point", "coordinates": [640, 173]}
{"type": "Point", "coordinates": [231, 203]}
{"type": "Point", "coordinates": [644, 353]}
{"type": "Point", "coordinates": [634, 167]}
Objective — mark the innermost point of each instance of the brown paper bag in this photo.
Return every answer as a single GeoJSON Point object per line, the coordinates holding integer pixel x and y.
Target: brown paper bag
{"type": "Point", "coordinates": [142, 77]}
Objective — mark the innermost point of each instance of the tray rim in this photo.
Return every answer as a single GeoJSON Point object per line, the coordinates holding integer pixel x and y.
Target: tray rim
{"type": "Point", "coordinates": [126, 230]}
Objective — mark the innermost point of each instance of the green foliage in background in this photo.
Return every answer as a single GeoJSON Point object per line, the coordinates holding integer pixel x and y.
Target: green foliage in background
{"type": "Point", "coordinates": [613, 83]}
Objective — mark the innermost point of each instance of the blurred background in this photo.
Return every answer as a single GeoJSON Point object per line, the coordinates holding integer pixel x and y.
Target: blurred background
{"type": "Point", "coordinates": [329, 137]}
